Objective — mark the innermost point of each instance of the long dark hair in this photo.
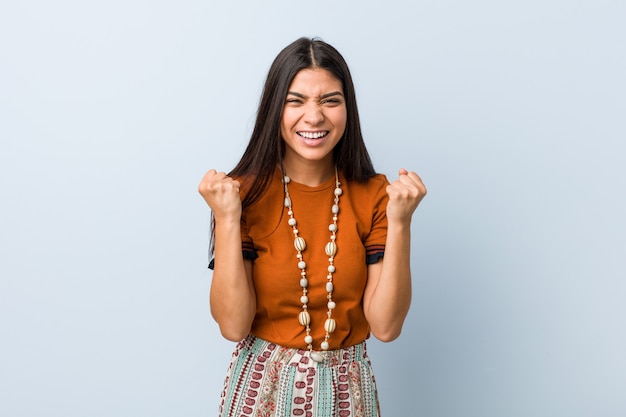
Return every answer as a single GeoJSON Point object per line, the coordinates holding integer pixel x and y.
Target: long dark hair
{"type": "Point", "coordinates": [266, 148]}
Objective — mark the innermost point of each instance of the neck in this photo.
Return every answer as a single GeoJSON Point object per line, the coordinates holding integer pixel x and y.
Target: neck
{"type": "Point", "coordinates": [311, 173]}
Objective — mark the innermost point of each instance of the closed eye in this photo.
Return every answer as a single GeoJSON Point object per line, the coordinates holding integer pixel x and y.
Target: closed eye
{"type": "Point", "coordinates": [334, 98]}
{"type": "Point", "coordinates": [332, 101]}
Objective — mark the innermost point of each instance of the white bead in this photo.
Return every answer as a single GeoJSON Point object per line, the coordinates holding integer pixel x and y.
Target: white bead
{"type": "Point", "coordinates": [301, 265]}
{"type": "Point", "coordinates": [332, 227]}
{"type": "Point", "coordinates": [331, 268]}
{"type": "Point", "coordinates": [287, 202]}
{"type": "Point", "coordinates": [329, 287]}
{"type": "Point", "coordinates": [338, 191]}
{"type": "Point", "coordinates": [317, 357]}
{"type": "Point", "coordinates": [304, 299]}
{"type": "Point", "coordinates": [335, 209]}
{"type": "Point", "coordinates": [292, 222]}
{"type": "Point", "coordinates": [331, 305]}
{"type": "Point", "coordinates": [286, 179]}
{"type": "Point", "coordinates": [324, 345]}
{"type": "Point", "coordinates": [304, 318]}
{"type": "Point", "coordinates": [331, 248]}
{"type": "Point", "coordinates": [308, 339]}
{"type": "Point", "coordinates": [304, 282]}
{"type": "Point", "coordinates": [330, 325]}
{"type": "Point", "coordinates": [299, 243]}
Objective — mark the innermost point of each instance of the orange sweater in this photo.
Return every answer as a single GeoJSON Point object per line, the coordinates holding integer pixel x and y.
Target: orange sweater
{"type": "Point", "coordinates": [268, 239]}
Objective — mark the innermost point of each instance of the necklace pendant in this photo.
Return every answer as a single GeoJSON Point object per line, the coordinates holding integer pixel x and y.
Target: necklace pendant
{"type": "Point", "coordinates": [317, 357]}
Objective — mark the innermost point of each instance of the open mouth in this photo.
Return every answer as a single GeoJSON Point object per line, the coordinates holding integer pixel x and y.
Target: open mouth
{"type": "Point", "coordinates": [313, 135]}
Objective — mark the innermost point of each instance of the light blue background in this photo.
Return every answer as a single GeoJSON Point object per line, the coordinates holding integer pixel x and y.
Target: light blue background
{"type": "Point", "coordinates": [512, 112]}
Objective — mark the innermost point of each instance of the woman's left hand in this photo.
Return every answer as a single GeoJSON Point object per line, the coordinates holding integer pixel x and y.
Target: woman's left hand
{"type": "Point", "coordinates": [405, 194]}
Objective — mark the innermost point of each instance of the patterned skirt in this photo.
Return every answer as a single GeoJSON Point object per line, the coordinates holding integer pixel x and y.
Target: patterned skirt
{"type": "Point", "coordinates": [268, 380]}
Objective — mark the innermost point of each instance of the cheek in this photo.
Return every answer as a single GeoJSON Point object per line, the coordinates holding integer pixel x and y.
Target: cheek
{"type": "Point", "coordinates": [284, 124]}
{"type": "Point", "coordinates": [342, 120]}
{"type": "Point", "coordinates": [287, 120]}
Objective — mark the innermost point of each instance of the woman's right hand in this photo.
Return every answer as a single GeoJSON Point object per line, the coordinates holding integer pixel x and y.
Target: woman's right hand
{"type": "Point", "coordinates": [221, 193]}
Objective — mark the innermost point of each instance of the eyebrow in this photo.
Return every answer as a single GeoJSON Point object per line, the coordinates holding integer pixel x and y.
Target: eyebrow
{"type": "Point", "coordinates": [334, 93]}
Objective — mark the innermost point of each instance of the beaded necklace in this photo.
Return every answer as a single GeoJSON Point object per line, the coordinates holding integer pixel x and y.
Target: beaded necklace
{"type": "Point", "coordinates": [330, 249]}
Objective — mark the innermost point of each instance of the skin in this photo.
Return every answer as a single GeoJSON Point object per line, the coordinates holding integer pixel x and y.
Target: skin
{"type": "Point", "coordinates": [314, 106]}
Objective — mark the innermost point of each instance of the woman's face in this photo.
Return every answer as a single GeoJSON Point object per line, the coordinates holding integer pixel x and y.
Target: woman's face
{"type": "Point", "coordinates": [314, 116]}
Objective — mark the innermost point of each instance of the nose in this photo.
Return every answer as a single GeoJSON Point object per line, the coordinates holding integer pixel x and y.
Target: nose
{"type": "Point", "coordinates": [313, 114]}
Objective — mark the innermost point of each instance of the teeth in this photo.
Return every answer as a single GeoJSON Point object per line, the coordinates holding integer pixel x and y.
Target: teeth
{"type": "Point", "coordinates": [312, 135]}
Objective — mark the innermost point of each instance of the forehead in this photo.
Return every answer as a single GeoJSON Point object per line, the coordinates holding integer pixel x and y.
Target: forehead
{"type": "Point", "coordinates": [315, 82]}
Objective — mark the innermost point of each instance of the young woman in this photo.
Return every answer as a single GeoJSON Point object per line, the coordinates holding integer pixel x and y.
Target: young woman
{"type": "Point", "coordinates": [311, 247]}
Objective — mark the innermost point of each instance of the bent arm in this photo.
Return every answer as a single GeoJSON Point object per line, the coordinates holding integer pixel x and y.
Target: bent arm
{"type": "Point", "coordinates": [387, 296]}
{"type": "Point", "coordinates": [232, 298]}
